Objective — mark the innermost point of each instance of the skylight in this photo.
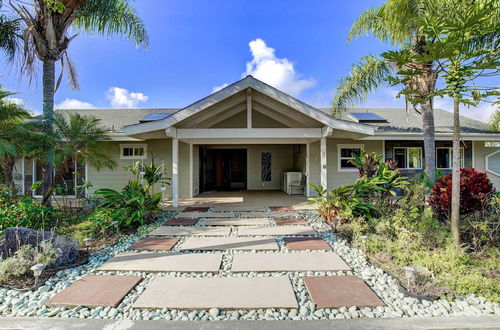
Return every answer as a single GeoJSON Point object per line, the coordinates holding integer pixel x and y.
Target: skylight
{"type": "Point", "coordinates": [367, 117]}
{"type": "Point", "coordinates": [155, 116]}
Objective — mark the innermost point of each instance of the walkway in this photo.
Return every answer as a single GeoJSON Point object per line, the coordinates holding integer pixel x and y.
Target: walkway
{"type": "Point", "coordinates": [253, 259]}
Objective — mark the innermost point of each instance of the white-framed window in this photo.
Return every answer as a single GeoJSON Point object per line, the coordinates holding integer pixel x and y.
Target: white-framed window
{"type": "Point", "coordinates": [133, 151]}
{"type": "Point", "coordinates": [346, 153]}
{"type": "Point", "coordinates": [73, 177]}
{"type": "Point", "coordinates": [444, 158]}
{"type": "Point", "coordinates": [408, 158]}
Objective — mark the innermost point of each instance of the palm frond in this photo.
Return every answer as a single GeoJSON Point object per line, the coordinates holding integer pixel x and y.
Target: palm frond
{"type": "Point", "coordinates": [494, 123]}
{"type": "Point", "coordinates": [10, 36]}
{"type": "Point", "coordinates": [111, 18]}
{"type": "Point", "coordinates": [366, 76]}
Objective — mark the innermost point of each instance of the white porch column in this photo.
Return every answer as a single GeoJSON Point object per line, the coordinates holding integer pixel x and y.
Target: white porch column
{"type": "Point", "coordinates": [308, 171]}
{"type": "Point", "coordinates": [324, 177]}
{"type": "Point", "coordinates": [175, 172]}
{"type": "Point", "coordinates": [191, 170]}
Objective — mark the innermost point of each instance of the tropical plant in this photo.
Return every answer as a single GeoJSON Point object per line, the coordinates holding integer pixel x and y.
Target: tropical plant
{"type": "Point", "coordinates": [465, 48]}
{"type": "Point", "coordinates": [152, 173]}
{"type": "Point", "coordinates": [397, 22]}
{"type": "Point", "coordinates": [494, 124]}
{"type": "Point", "coordinates": [10, 35]}
{"type": "Point", "coordinates": [482, 229]}
{"type": "Point", "coordinates": [475, 189]}
{"type": "Point", "coordinates": [25, 212]}
{"type": "Point", "coordinates": [46, 36]}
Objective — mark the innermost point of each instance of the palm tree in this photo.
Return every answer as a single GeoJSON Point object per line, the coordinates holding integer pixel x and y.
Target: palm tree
{"type": "Point", "coordinates": [46, 37]}
{"type": "Point", "coordinates": [13, 132]}
{"type": "Point", "coordinates": [494, 124]}
{"type": "Point", "coordinates": [397, 22]}
{"type": "Point", "coordinates": [9, 35]}
{"type": "Point", "coordinates": [75, 139]}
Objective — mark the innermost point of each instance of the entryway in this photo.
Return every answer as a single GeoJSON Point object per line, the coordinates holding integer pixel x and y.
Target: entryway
{"type": "Point", "coordinates": [222, 169]}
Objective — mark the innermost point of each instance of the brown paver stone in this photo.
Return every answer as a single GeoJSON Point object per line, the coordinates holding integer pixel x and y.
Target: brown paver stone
{"type": "Point", "coordinates": [229, 243]}
{"type": "Point", "coordinates": [290, 221]}
{"type": "Point", "coordinates": [218, 292]}
{"type": "Point", "coordinates": [190, 231]}
{"type": "Point", "coordinates": [288, 262]}
{"type": "Point", "coordinates": [340, 291]}
{"type": "Point", "coordinates": [95, 290]}
{"type": "Point", "coordinates": [164, 262]}
{"type": "Point", "coordinates": [276, 231]}
{"type": "Point", "coordinates": [196, 209]}
{"type": "Point", "coordinates": [306, 243]}
{"type": "Point", "coordinates": [181, 222]}
{"type": "Point", "coordinates": [154, 244]}
{"type": "Point", "coordinates": [281, 208]}
{"type": "Point", "coordinates": [184, 215]}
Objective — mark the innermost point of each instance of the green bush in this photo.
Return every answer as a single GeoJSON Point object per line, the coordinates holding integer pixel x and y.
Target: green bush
{"type": "Point", "coordinates": [25, 212]}
{"type": "Point", "coordinates": [25, 257]}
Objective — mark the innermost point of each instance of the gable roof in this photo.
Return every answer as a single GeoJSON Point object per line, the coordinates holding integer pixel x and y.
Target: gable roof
{"type": "Point", "coordinates": [243, 84]}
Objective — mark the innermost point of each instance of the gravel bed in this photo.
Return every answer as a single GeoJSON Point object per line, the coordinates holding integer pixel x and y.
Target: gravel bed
{"type": "Point", "coordinates": [31, 303]}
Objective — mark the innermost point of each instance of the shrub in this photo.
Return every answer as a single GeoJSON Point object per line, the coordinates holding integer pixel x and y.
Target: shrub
{"type": "Point", "coordinates": [25, 257]}
{"type": "Point", "coordinates": [482, 229]}
{"type": "Point", "coordinates": [24, 213]}
{"type": "Point", "coordinates": [474, 187]}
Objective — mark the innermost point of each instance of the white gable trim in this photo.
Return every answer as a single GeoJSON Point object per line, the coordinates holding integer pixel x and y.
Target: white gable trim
{"type": "Point", "coordinates": [245, 83]}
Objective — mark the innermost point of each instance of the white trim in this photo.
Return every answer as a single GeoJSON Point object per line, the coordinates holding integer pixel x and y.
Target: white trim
{"type": "Point", "coordinates": [249, 108]}
{"type": "Point", "coordinates": [339, 157]}
{"type": "Point", "coordinates": [175, 172]}
{"type": "Point", "coordinates": [408, 158]}
{"type": "Point", "coordinates": [262, 133]}
{"type": "Point", "coordinates": [486, 163]}
{"type": "Point", "coordinates": [450, 149]}
{"type": "Point", "coordinates": [250, 140]}
{"type": "Point", "coordinates": [191, 179]}
{"type": "Point", "coordinates": [134, 146]}
{"type": "Point", "coordinates": [383, 151]}
{"type": "Point", "coordinates": [324, 163]}
{"type": "Point", "coordinates": [308, 167]}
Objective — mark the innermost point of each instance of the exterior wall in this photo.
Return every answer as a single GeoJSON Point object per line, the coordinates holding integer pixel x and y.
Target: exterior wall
{"type": "Point", "coordinates": [337, 177]}
{"type": "Point", "coordinates": [314, 163]}
{"type": "Point", "coordinates": [259, 120]}
{"type": "Point", "coordinates": [480, 153]}
{"type": "Point", "coordinates": [239, 120]}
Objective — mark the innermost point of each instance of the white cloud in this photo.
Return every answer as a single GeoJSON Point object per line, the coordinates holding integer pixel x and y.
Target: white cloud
{"type": "Point", "coordinates": [218, 88]}
{"type": "Point", "coordinates": [122, 98]}
{"type": "Point", "coordinates": [14, 100]}
{"type": "Point", "coordinates": [277, 72]}
{"type": "Point", "coordinates": [73, 104]}
{"type": "Point", "coordinates": [482, 112]}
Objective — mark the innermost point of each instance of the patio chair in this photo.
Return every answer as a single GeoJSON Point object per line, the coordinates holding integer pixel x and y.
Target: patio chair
{"type": "Point", "coordinates": [300, 185]}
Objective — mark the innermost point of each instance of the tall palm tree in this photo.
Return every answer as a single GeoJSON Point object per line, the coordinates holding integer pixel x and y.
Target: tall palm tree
{"type": "Point", "coordinates": [397, 22]}
{"type": "Point", "coordinates": [75, 139]}
{"type": "Point", "coordinates": [13, 133]}
{"type": "Point", "coordinates": [47, 38]}
{"type": "Point", "coordinates": [10, 34]}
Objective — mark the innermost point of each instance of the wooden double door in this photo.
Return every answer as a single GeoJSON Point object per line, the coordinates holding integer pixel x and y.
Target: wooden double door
{"type": "Point", "coordinates": [223, 169]}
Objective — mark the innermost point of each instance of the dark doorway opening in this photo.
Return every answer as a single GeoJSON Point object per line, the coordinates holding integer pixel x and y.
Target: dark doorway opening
{"type": "Point", "coordinates": [223, 169]}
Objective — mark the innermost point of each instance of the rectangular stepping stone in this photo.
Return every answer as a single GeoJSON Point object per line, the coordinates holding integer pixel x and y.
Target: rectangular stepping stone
{"type": "Point", "coordinates": [181, 222]}
{"type": "Point", "coordinates": [290, 221]}
{"type": "Point", "coordinates": [288, 262]}
{"type": "Point", "coordinates": [236, 222]}
{"type": "Point", "coordinates": [164, 262]}
{"type": "Point", "coordinates": [340, 291]}
{"type": "Point", "coordinates": [154, 244]}
{"type": "Point", "coordinates": [95, 290]}
{"type": "Point", "coordinates": [230, 243]}
{"type": "Point", "coordinates": [190, 231]}
{"type": "Point", "coordinates": [274, 214]}
{"type": "Point", "coordinates": [276, 231]}
{"type": "Point", "coordinates": [281, 208]}
{"type": "Point", "coordinates": [218, 292]}
{"type": "Point", "coordinates": [196, 209]}
{"type": "Point", "coordinates": [306, 243]}
{"type": "Point", "coordinates": [206, 215]}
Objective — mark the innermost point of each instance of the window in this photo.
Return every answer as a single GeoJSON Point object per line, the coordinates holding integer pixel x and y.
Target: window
{"type": "Point", "coordinates": [346, 154]}
{"type": "Point", "coordinates": [444, 158]}
{"type": "Point", "coordinates": [133, 151]}
{"type": "Point", "coordinates": [265, 166]}
{"type": "Point", "coordinates": [67, 182]}
{"type": "Point", "coordinates": [408, 157]}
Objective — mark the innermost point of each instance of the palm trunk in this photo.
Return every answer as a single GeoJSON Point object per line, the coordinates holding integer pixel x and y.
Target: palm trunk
{"type": "Point", "coordinates": [429, 140]}
{"type": "Point", "coordinates": [455, 183]}
{"type": "Point", "coordinates": [48, 117]}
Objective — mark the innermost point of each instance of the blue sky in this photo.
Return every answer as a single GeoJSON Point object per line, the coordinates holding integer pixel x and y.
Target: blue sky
{"type": "Point", "coordinates": [197, 46]}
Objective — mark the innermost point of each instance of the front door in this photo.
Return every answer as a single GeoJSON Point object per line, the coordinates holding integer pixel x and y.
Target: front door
{"type": "Point", "coordinates": [223, 169]}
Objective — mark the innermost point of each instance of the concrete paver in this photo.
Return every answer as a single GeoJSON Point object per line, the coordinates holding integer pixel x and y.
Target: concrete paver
{"type": "Point", "coordinates": [219, 292]}
{"type": "Point", "coordinates": [236, 222]}
{"type": "Point", "coordinates": [229, 243]}
{"type": "Point", "coordinates": [190, 231]}
{"type": "Point", "coordinates": [306, 243]}
{"type": "Point", "coordinates": [276, 231]}
{"type": "Point", "coordinates": [95, 290]}
{"type": "Point", "coordinates": [285, 261]}
{"type": "Point", "coordinates": [206, 215]}
{"type": "Point", "coordinates": [164, 262]}
{"type": "Point", "coordinates": [271, 214]}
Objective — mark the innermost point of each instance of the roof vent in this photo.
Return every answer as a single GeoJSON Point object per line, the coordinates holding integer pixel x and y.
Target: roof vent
{"type": "Point", "coordinates": [368, 117]}
{"type": "Point", "coordinates": [155, 117]}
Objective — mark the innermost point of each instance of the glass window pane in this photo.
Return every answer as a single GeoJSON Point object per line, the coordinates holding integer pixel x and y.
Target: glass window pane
{"type": "Point", "coordinates": [400, 157]}
{"type": "Point", "coordinates": [443, 159]}
{"type": "Point", "coordinates": [414, 158]}
{"type": "Point", "coordinates": [128, 152]}
{"type": "Point", "coordinates": [348, 152]}
{"type": "Point", "coordinates": [346, 163]}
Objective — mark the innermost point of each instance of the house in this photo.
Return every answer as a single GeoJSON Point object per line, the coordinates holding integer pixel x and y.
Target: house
{"type": "Point", "coordinates": [248, 134]}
